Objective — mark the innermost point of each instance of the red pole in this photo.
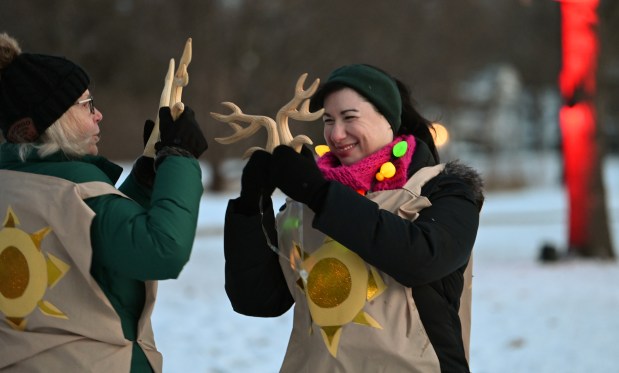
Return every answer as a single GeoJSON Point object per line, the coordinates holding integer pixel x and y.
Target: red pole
{"type": "Point", "coordinates": [577, 83]}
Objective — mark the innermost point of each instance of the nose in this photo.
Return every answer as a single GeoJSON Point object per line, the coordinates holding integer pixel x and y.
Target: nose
{"type": "Point", "coordinates": [338, 132]}
{"type": "Point", "coordinates": [98, 115]}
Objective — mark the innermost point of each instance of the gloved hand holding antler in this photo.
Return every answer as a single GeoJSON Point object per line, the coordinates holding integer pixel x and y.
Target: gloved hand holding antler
{"type": "Point", "coordinates": [182, 137]}
{"type": "Point", "coordinates": [298, 176]}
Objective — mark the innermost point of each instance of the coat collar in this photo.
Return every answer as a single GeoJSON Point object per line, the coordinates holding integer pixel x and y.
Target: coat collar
{"type": "Point", "coordinates": [9, 159]}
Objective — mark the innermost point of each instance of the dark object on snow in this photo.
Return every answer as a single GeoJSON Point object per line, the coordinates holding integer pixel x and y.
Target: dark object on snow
{"type": "Point", "coordinates": [548, 253]}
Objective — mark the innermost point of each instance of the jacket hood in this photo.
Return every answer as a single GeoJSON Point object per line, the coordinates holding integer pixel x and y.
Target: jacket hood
{"type": "Point", "coordinates": [470, 176]}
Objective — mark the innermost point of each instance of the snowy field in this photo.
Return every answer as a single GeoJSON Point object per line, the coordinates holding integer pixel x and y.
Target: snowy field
{"type": "Point", "coordinates": [527, 316]}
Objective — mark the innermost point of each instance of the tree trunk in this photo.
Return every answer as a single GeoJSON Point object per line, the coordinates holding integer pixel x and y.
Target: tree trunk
{"type": "Point", "coordinates": [218, 180]}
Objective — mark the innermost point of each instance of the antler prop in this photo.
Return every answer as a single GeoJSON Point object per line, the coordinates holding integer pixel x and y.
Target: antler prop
{"type": "Point", "coordinates": [171, 94]}
{"type": "Point", "coordinates": [278, 131]}
{"type": "Point", "coordinates": [290, 110]}
{"type": "Point", "coordinates": [240, 132]}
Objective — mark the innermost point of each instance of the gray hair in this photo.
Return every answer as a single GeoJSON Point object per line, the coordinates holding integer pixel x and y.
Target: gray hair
{"type": "Point", "coordinates": [63, 135]}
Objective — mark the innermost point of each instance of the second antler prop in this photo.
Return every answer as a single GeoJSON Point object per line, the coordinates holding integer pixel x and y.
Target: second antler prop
{"type": "Point", "coordinates": [278, 131]}
{"type": "Point", "coordinates": [171, 94]}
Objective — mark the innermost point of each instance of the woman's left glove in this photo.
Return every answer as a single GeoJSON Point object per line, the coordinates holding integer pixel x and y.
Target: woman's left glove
{"type": "Point", "coordinates": [298, 176]}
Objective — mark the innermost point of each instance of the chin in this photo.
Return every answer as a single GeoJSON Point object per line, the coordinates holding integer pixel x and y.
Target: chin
{"type": "Point", "coordinates": [347, 161]}
{"type": "Point", "coordinates": [350, 160]}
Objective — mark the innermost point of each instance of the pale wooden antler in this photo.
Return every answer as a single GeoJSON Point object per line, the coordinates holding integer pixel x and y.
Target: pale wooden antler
{"type": "Point", "coordinates": [171, 94]}
{"type": "Point", "coordinates": [298, 109]}
{"type": "Point", "coordinates": [277, 130]}
{"type": "Point", "coordinates": [181, 79]}
{"type": "Point", "coordinates": [240, 132]}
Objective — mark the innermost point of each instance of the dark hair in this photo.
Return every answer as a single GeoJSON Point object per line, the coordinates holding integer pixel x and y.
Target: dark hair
{"type": "Point", "coordinates": [413, 123]}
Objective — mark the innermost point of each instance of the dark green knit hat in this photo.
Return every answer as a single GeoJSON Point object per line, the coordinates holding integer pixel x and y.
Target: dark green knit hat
{"type": "Point", "coordinates": [376, 86]}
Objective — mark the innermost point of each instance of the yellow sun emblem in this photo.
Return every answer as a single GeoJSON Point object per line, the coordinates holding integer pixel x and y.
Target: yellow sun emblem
{"type": "Point", "coordinates": [337, 286]}
{"type": "Point", "coordinates": [26, 273]}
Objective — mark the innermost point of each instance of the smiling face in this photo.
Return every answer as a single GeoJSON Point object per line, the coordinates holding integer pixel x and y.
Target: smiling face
{"type": "Point", "coordinates": [353, 128]}
{"type": "Point", "coordinates": [86, 124]}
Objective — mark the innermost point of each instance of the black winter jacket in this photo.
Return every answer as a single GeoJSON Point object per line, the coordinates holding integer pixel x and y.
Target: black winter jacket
{"type": "Point", "coordinates": [428, 255]}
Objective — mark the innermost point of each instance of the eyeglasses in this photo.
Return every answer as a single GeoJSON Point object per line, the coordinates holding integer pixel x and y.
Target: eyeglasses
{"type": "Point", "coordinates": [91, 103]}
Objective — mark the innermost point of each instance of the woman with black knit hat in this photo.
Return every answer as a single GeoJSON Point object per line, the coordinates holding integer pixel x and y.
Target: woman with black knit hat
{"type": "Point", "coordinates": [375, 237]}
{"type": "Point", "coordinates": [79, 259]}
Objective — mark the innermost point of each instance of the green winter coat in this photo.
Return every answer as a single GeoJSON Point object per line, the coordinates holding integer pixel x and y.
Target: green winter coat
{"type": "Point", "coordinates": [147, 237]}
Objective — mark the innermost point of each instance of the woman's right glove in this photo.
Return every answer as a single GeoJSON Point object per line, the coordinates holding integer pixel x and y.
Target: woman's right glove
{"type": "Point", "coordinates": [182, 137]}
{"type": "Point", "coordinates": [255, 182]}
{"type": "Point", "coordinates": [298, 176]}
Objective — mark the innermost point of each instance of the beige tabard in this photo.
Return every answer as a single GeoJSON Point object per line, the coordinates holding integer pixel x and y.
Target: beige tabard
{"type": "Point", "coordinates": [56, 317]}
{"type": "Point", "coordinates": [348, 316]}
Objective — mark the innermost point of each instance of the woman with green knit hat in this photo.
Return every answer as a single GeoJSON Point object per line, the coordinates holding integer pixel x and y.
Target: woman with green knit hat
{"type": "Point", "coordinates": [79, 258]}
{"type": "Point", "coordinates": [375, 239]}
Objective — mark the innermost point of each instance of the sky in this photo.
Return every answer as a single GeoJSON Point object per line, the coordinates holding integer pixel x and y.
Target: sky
{"type": "Point", "coordinates": [527, 316]}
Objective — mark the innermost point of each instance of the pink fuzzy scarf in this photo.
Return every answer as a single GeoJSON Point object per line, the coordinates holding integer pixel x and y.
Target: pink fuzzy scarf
{"type": "Point", "coordinates": [361, 175]}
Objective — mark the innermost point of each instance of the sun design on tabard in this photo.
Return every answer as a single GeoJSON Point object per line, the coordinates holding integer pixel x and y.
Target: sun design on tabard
{"type": "Point", "coordinates": [26, 273]}
{"type": "Point", "coordinates": [337, 287]}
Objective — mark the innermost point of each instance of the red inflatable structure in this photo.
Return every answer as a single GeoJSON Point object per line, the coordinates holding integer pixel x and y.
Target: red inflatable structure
{"type": "Point", "coordinates": [577, 83]}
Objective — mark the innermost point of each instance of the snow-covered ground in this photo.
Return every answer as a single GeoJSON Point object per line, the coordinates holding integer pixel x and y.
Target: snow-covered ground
{"type": "Point", "coordinates": [527, 316]}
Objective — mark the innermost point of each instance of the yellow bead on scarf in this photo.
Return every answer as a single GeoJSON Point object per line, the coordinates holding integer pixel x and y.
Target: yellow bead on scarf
{"type": "Point", "coordinates": [387, 170]}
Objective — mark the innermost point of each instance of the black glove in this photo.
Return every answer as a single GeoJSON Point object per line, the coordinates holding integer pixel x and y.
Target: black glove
{"type": "Point", "coordinates": [148, 129]}
{"type": "Point", "coordinates": [181, 137]}
{"type": "Point", "coordinates": [255, 182]}
{"type": "Point", "coordinates": [144, 167]}
{"type": "Point", "coordinates": [298, 177]}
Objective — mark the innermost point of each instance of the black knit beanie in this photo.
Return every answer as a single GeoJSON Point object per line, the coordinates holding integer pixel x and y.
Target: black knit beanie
{"type": "Point", "coordinates": [35, 90]}
{"type": "Point", "coordinates": [373, 84]}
